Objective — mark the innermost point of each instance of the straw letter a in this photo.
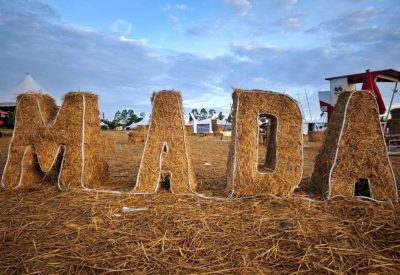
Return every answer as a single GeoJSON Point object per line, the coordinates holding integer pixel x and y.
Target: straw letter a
{"type": "Point", "coordinates": [166, 156]}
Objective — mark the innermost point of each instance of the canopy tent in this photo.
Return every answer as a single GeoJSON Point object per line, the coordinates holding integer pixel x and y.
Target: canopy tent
{"type": "Point", "coordinates": [103, 125]}
{"type": "Point", "coordinates": [144, 121]}
{"type": "Point", "coordinates": [206, 125]}
{"type": "Point", "coordinates": [27, 84]}
{"type": "Point", "coordinates": [314, 124]}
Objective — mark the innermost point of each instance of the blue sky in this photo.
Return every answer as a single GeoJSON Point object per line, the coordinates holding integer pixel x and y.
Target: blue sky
{"type": "Point", "coordinates": [125, 50]}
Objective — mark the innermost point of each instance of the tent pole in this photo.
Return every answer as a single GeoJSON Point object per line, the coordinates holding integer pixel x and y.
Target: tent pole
{"type": "Point", "coordinates": [391, 100]}
{"type": "Point", "coordinates": [301, 106]}
{"type": "Point", "coordinates": [308, 103]}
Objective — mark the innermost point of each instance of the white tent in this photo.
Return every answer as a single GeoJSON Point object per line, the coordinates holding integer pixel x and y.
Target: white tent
{"type": "Point", "coordinates": [205, 125]}
{"type": "Point", "coordinates": [103, 125]}
{"type": "Point", "coordinates": [27, 84]}
{"type": "Point", "coordinates": [316, 124]}
{"type": "Point", "coordinates": [144, 121]}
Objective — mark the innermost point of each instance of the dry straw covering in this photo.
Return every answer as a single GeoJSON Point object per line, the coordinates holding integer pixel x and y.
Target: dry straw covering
{"type": "Point", "coordinates": [354, 149]}
{"type": "Point", "coordinates": [137, 136]}
{"type": "Point", "coordinates": [108, 143]}
{"type": "Point", "coordinates": [316, 136]}
{"type": "Point", "coordinates": [189, 130]}
{"type": "Point", "coordinates": [48, 232]}
{"type": "Point", "coordinates": [284, 152]}
{"type": "Point", "coordinates": [167, 154]}
{"type": "Point", "coordinates": [51, 145]}
{"type": "Point", "coordinates": [393, 124]}
{"type": "Point", "coordinates": [44, 231]}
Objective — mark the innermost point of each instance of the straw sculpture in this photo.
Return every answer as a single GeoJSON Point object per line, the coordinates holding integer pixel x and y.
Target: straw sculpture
{"type": "Point", "coordinates": [316, 136]}
{"type": "Point", "coordinates": [354, 149]}
{"type": "Point", "coordinates": [108, 143]}
{"type": "Point", "coordinates": [137, 136]}
{"type": "Point", "coordinates": [51, 145]}
{"type": "Point", "coordinates": [284, 152]}
{"type": "Point", "coordinates": [166, 156]}
{"type": "Point", "coordinates": [44, 231]}
{"type": "Point", "coordinates": [393, 124]}
{"type": "Point", "coordinates": [189, 130]}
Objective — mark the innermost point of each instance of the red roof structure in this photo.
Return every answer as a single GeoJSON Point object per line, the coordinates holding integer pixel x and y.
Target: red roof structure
{"type": "Point", "coordinates": [370, 85]}
{"type": "Point", "coordinates": [348, 82]}
{"type": "Point", "coordinates": [388, 75]}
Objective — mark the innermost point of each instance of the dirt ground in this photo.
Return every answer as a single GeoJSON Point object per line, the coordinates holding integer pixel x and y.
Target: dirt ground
{"type": "Point", "coordinates": [43, 230]}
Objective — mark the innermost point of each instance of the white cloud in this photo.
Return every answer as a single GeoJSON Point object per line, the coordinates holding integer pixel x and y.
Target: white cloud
{"type": "Point", "coordinates": [78, 28]}
{"type": "Point", "coordinates": [181, 6]}
{"type": "Point", "coordinates": [166, 7]}
{"type": "Point", "coordinates": [244, 49]}
{"type": "Point", "coordinates": [142, 41]}
{"type": "Point", "coordinates": [175, 14]}
{"type": "Point", "coordinates": [203, 28]}
{"type": "Point", "coordinates": [244, 5]}
{"type": "Point", "coordinates": [290, 23]}
{"type": "Point", "coordinates": [368, 11]}
{"type": "Point", "coordinates": [125, 70]}
{"type": "Point", "coordinates": [359, 29]}
{"type": "Point", "coordinates": [121, 27]}
{"type": "Point", "coordinates": [169, 7]}
{"type": "Point", "coordinates": [351, 21]}
{"type": "Point", "coordinates": [358, 21]}
{"type": "Point", "coordinates": [173, 18]}
{"type": "Point", "coordinates": [217, 97]}
{"type": "Point", "coordinates": [288, 3]}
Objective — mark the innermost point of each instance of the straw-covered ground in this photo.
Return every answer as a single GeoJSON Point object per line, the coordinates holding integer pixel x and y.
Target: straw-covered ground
{"type": "Point", "coordinates": [43, 230]}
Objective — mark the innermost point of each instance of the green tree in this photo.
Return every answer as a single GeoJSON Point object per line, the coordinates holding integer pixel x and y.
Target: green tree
{"type": "Point", "coordinates": [195, 113]}
{"type": "Point", "coordinates": [125, 117]}
{"type": "Point", "coordinates": [229, 119]}
{"type": "Point", "coordinates": [211, 113]}
{"type": "Point", "coordinates": [117, 116]}
{"type": "Point", "coordinates": [221, 116]}
{"type": "Point", "coordinates": [111, 124]}
{"type": "Point", "coordinates": [11, 118]}
{"type": "Point", "coordinates": [203, 113]}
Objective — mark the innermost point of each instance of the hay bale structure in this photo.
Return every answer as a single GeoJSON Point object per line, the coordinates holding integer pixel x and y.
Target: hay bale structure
{"type": "Point", "coordinates": [189, 130]}
{"type": "Point", "coordinates": [316, 136]}
{"type": "Point", "coordinates": [167, 150]}
{"type": "Point", "coordinates": [55, 145]}
{"type": "Point", "coordinates": [284, 153]}
{"type": "Point", "coordinates": [393, 124]}
{"type": "Point", "coordinates": [108, 144]}
{"type": "Point", "coordinates": [354, 149]}
{"type": "Point", "coordinates": [137, 136]}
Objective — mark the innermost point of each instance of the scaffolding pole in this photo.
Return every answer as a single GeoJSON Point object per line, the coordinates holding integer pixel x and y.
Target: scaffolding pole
{"type": "Point", "coordinates": [391, 101]}
{"type": "Point", "coordinates": [308, 103]}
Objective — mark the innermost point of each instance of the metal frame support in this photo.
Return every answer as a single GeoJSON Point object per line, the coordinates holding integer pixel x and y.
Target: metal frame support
{"type": "Point", "coordinates": [391, 100]}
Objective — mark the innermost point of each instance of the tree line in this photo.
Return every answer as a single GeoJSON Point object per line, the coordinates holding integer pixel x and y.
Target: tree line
{"type": "Point", "coordinates": [203, 114]}
{"type": "Point", "coordinates": [124, 118]}
{"type": "Point", "coordinates": [128, 116]}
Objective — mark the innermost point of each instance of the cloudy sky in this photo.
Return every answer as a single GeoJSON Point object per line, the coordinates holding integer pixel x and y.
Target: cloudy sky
{"type": "Point", "coordinates": [124, 50]}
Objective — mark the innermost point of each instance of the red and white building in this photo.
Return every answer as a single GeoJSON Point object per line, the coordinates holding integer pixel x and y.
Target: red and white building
{"type": "Point", "coordinates": [327, 99]}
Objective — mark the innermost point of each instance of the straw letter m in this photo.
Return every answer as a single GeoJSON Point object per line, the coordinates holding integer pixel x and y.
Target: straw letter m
{"type": "Point", "coordinates": [49, 144]}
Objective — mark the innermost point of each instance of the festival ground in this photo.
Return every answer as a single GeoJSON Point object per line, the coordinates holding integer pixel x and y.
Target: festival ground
{"type": "Point", "coordinates": [43, 230]}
